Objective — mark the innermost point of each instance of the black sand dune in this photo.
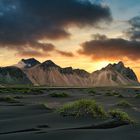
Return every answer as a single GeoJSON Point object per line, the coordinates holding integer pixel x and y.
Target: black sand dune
{"type": "Point", "coordinates": [34, 121]}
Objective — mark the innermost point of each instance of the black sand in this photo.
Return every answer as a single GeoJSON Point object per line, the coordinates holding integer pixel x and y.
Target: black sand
{"type": "Point", "coordinates": [29, 119]}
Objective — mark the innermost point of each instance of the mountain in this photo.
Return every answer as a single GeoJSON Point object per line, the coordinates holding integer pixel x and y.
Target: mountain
{"type": "Point", "coordinates": [114, 75]}
{"type": "Point", "coordinates": [13, 76]}
{"type": "Point", "coordinates": [48, 73]}
{"type": "Point", "coordinates": [127, 72]}
{"type": "Point", "coordinates": [27, 63]}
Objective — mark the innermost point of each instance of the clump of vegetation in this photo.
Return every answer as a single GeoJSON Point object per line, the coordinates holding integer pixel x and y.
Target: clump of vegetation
{"type": "Point", "coordinates": [3, 90]}
{"type": "Point", "coordinates": [8, 99]}
{"type": "Point", "coordinates": [92, 91]}
{"type": "Point", "coordinates": [124, 103]}
{"type": "Point", "coordinates": [45, 105]}
{"type": "Point", "coordinates": [21, 90]}
{"type": "Point", "coordinates": [83, 107]}
{"type": "Point", "coordinates": [120, 96]}
{"type": "Point", "coordinates": [109, 94]}
{"type": "Point", "coordinates": [112, 94]}
{"type": "Point", "coordinates": [18, 97]}
{"type": "Point", "coordinates": [121, 116]}
{"type": "Point", "coordinates": [136, 90]}
{"type": "Point", "coordinates": [137, 96]}
{"type": "Point", "coordinates": [63, 94]}
{"type": "Point", "coordinates": [116, 93]}
{"type": "Point", "coordinates": [87, 107]}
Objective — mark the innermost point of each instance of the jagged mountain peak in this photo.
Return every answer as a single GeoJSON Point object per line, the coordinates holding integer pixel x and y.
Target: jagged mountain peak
{"type": "Point", "coordinates": [120, 63]}
{"type": "Point", "coordinates": [81, 72]}
{"type": "Point", "coordinates": [125, 71]}
{"type": "Point", "coordinates": [109, 66]}
{"type": "Point", "coordinates": [29, 60]}
{"type": "Point", "coordinates": [121, 69]}
{"type": "Point", "coordinates": [49, 63]}
{"type": "Point", "coordinates": [27, 63]}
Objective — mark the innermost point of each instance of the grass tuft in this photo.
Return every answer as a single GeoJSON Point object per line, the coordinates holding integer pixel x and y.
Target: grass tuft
{"type": "Point", "coordinates": [83, 107]}
{"type": "Point", "coordinates": [121, 116]}
{"type": "Point", "coordinates": [109, 94]}
{"type": "Point", "coordinates": [59, 94]}
{"type": "Point", "coordinates": [137, 96]}
{"type": "Point", "coordinates": [92, 91]}
{"type": "Point", "coordinates": [21, 90]}
{"type": "Point", "coordinates": [120, 96]}
{"type": "Point", "coordinates": [112, 94]}
{"type": "Point", "coordinates": [45, 105]}
{"type": "Point", "coordinates": [124, 103]}
{"type": "Point", "coordinates": [9, 99]}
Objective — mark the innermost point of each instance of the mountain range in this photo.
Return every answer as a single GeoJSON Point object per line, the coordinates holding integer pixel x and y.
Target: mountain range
{"type": "Point", "coordinates": [32, 72]}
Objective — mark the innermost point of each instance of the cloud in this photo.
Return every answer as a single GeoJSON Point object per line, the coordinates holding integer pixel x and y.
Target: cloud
{"type": "Point", "coordinates": [111, 49]}
{"type": "Point", "coordinates": [24, 21]}
{"type": "Point", "coordinates": [134, 31]}
{"type": "Point", "coordinates": [32, 53]}
{"type": "Point", "coordinates": [63, 53]}
{"type": "Point", "coordinates": [36, 49]}
{"type": "Point", "coordinates": [98, 37]}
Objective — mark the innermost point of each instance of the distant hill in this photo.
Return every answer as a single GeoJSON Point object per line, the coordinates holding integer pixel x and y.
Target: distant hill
{"type": "Point", "coordinates": [50, 74]}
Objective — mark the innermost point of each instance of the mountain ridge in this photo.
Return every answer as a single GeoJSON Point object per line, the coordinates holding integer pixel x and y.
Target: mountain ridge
{"type": "Point", "coordinates": [50, 74]}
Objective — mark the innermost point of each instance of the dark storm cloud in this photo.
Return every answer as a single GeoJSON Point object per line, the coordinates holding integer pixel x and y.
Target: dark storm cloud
{"type": "Point", "coordinates": [25, 21]}
{"type": "Point", "coordinates": [111, 49]}
{"type": "Point", "coordinates": [134, 31]}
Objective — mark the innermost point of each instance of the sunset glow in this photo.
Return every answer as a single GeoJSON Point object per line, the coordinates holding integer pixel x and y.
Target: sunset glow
{"type": "Point", "coordinates": [86, 40]}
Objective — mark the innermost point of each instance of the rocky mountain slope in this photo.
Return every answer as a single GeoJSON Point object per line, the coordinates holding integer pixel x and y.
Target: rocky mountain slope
{"type": "Point", "coordinates": [13, 76]}
{"type": "Point", "coordinates": [50, 74]}
{"type": "Point", "coordinates": [114, 75]}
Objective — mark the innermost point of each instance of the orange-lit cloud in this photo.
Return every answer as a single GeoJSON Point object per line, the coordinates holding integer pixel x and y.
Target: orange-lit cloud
{"type": "Point", "coordinates": [103, 48]}
{"type": "Point", "coordinates": [32, 54]}
{"type": "Point", "coordinates": [63, 53]}
{"type": "Point", "coordinates": [37, 49]}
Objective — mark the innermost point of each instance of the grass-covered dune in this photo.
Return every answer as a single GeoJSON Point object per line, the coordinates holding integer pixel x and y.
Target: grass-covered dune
{"type": "Point", "coordinates": [83, 107]}
{"type": "Point", "coordinates": [90, 108]}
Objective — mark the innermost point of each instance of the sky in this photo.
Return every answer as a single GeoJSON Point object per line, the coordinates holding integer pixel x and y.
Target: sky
{"type": "Point", "coordinates": [86, 34]}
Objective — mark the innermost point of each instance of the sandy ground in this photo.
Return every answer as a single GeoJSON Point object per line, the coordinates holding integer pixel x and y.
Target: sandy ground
{"type": "Point", "coordinates": [31, 120]}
